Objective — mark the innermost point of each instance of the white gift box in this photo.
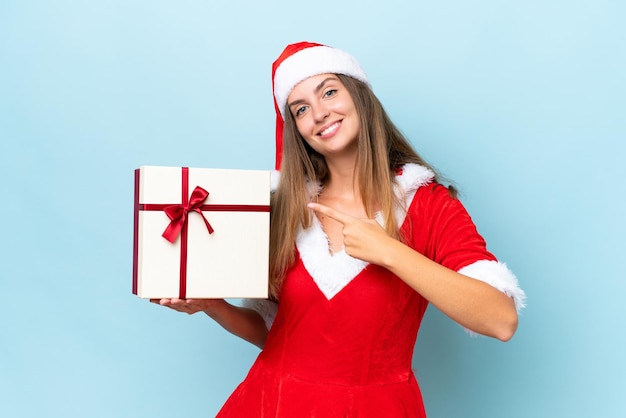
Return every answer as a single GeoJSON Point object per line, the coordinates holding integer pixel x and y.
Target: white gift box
{"type": "Point", "coordinates": [218, 223]}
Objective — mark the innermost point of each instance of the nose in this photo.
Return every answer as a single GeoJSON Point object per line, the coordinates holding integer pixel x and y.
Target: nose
{"type": "Point", "coordinates": [320, 112]}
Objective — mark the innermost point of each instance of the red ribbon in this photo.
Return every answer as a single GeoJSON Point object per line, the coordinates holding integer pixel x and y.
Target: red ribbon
{"type": "Point", "coordinates": [178, 215]}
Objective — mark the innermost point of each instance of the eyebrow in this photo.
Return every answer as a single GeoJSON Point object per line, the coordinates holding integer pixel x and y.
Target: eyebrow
{"type": "Point", "coordinates": [319, 87]}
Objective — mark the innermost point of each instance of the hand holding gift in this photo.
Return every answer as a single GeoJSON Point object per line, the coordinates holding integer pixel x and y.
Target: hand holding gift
{"type": "Point", "coordinates": [190, 306]}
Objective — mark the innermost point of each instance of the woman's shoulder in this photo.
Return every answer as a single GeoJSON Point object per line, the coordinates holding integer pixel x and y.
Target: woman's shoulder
{"type": "Point", "coordinates": [411, 177]}
{"type": "Point", "coordinates": [422, 193]}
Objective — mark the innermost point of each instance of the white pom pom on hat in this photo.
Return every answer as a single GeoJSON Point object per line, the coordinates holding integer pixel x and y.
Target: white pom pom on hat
{"type": "Point", "coordinates": [298, 62]}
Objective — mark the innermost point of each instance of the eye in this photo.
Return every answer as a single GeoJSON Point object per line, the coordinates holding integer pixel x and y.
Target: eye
{"type": "Point", "coordinates": [330, 92]}
{"type": "Point", "coordinates": [300, 110]}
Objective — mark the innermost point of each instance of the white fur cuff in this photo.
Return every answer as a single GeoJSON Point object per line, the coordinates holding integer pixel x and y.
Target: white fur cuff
{"type": "Point", "coordinates": [274, 180]}
{"type": "Point", "coordinates": [498, 275]}
{"type": "Point", "coordinates": [266, 308]}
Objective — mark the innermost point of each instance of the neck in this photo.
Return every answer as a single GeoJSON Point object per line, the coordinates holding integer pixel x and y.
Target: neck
{"type": "Point", "coordinates": [342, 181]}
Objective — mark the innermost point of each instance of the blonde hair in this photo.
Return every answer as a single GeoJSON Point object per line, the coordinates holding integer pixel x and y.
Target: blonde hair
{"type": "Point", "coordinates": [382, 150]}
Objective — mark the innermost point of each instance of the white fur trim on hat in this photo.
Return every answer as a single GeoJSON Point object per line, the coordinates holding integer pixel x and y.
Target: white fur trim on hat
{"type": "Point", "coordinates": [309, 62]}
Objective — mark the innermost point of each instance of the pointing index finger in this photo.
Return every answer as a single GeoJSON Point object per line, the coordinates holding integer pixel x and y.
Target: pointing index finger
{"type": "Point", "coordinates": [331, 213]}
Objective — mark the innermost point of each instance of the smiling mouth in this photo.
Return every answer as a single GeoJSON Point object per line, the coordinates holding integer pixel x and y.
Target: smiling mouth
{"type": "Point", "coordinates": [332, 128]}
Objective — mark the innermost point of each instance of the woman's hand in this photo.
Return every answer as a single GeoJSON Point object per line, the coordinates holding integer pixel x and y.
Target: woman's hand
{"type": "Point", "coordinates": [364, 239]}
{"type": "Point", "coordinates": [191, 306]}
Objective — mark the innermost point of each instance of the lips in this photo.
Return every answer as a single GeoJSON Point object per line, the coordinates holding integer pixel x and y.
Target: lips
{"type": "Point", "coordinates": [329, 130]}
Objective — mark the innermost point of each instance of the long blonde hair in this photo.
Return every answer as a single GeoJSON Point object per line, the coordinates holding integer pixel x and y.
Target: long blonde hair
{"type": "Point", "coordinates": [382, 149]}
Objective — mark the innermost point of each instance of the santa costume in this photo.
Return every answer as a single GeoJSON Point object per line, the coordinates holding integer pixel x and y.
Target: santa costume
{"type": "Point", "coordinates": [341, 337]}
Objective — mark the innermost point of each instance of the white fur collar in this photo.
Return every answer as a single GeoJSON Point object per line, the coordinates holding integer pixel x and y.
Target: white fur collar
{"type": "Point", "coordinates": [409, 180]}
{"type": "Point", "coordinates": [332, 273]}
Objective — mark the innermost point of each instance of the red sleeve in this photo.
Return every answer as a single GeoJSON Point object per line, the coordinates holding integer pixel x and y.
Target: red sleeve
{"type": "Point", "coordinates": [438, 226]}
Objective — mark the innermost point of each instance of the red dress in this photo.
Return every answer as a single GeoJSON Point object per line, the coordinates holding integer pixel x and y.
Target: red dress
{"type": "Point", "coordinates": [347, 351]}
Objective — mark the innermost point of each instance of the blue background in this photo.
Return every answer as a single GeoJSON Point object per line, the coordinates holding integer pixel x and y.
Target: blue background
{"type": "Point", "coordinates": [522, 104]}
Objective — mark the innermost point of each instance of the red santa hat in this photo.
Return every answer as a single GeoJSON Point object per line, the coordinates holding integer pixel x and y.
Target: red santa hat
{"type": "Point", "coordinates": [300, 61]}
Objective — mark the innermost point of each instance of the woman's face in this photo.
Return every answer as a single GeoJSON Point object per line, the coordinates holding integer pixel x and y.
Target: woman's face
{"type": "Point", "coordinates": [325, 115]}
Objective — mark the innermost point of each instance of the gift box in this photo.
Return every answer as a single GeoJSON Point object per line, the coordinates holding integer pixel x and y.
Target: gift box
{"type": "Point", "coordinates": [201, 233]}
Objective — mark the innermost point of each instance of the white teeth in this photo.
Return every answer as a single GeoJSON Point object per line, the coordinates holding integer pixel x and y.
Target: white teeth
{"type": "Point", "coordinates": [329, 129]}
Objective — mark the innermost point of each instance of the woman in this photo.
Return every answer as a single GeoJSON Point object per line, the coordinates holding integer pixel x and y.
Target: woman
{"type": "Point", "coordinates": [363, 237]}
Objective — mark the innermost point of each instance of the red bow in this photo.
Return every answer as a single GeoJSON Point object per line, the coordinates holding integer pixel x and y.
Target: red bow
{"type": "Point", "coordinates": [178, 214]}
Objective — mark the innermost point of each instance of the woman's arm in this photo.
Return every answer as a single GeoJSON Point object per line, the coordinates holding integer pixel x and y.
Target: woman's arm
{"type": "Point", "coordinates": [472, 303]}
{"type": "Point", "coordinates": [242, 322]}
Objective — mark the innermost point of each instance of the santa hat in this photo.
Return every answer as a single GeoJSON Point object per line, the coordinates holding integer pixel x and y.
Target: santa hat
{"type": "Point", "coordinates": [298, 62]}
